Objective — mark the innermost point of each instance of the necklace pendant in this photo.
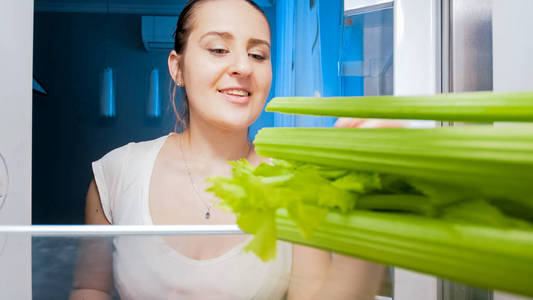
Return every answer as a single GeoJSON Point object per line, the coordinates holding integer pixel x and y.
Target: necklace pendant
{"type": "Point", "coordinates": [207, 215]}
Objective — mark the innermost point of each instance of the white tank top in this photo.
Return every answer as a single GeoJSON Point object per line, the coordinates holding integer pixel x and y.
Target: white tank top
{"type": "Point", "coordinates": [148, 268]}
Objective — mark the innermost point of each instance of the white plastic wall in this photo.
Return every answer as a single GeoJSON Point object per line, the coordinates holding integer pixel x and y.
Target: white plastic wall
{"type": "Point", "coordinates": [16, 47]}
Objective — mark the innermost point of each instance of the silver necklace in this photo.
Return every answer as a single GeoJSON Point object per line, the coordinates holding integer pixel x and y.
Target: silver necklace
{"type": "Point", "coordinates": [207, 205]}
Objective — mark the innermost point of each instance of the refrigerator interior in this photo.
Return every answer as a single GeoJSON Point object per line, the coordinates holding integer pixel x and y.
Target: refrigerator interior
{"type": "Point", "coordinates": [366, 67]}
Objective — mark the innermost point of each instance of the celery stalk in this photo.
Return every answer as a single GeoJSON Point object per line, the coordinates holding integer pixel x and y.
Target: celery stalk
{"type": "Point", "coordinates": [417, 204]}
{"type": "Point", "coordinates": [486, 257]}
{"type": "Point", "coordinates": [496, 162]}
{"type": "Point", "coordinates": [472, 106]}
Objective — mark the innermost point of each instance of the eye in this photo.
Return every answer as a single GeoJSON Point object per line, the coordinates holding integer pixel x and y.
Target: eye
{"type": "Point", "coordinates": [218, 51]}
{"type": "Point", "coordinates": [257, 57]}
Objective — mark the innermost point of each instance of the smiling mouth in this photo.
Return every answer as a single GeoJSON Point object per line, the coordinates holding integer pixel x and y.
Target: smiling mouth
{"type": "Point", "coordinates": [238, 96]}
{"type": "Point", "coordinates": [235, 92]}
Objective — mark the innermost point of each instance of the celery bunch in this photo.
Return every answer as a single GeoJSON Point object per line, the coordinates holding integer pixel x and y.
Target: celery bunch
{"type": "Point", "coordinates": [388, 219]}
{"type": "Point", "coordinates": [452, 202]}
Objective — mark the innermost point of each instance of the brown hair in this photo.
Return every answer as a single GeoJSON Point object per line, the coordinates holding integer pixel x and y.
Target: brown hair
{"type": "Point", "coordinates": [181, 35]}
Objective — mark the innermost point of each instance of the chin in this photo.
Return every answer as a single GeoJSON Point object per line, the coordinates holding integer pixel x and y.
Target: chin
{"type": "Point", "coordinates": [233, 126]}
{"type": "Point", "coordinates": [229, 118]}
{"type": "Point", "coordinates": [235, 123]}
{"type": "Point", "coordinates": [236, 120]}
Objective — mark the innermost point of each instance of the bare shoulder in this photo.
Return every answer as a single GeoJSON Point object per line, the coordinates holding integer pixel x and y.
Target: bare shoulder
{"type": "Point", "coordinates": [94, 212]}
{"type": "Point", "coordinates": [169, 150]}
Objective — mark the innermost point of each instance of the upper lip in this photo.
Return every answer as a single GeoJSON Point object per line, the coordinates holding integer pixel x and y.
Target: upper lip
{"type": "Point", "coordinates": [235, 89]}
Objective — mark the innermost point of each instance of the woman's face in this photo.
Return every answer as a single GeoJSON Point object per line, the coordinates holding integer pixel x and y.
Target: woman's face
{"type": "Point", "coordinates": [226, 66]}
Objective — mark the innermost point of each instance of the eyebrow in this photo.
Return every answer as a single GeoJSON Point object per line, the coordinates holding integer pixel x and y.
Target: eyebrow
{"type": "Point", "coordinates": [254, 42]}
{"type": "Point", "coordinates": [229, 36]}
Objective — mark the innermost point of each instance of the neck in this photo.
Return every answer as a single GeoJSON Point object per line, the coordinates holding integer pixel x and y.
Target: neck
{"type": "Point", "coordinates": [202, 143]}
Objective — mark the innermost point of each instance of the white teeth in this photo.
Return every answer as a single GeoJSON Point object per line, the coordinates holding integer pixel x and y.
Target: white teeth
{"type": "Point", "coordinates": [236, 92]}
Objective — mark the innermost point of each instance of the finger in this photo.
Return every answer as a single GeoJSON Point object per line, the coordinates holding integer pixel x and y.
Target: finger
{"type": "Point", "coordinates": [380, 123]}
{"type": "Point", "coordinates": [349, 122]}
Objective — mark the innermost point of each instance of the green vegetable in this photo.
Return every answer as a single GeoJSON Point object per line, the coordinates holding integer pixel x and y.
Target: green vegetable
{"type": "Point", "coordinates": [487, 257]}
{"type": "Point", "coordinates": [381, 218]}
{"type": "Point", "coordinates": [254, 195]}
{"type": "Point", "coordinates": [491, 162]}
{"type": "Point", "coordinates": [473, 106]}
{"type": "Point", "coordinates": [452, 202]}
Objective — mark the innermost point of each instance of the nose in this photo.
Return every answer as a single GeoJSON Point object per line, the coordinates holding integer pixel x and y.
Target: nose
{"type": "Point", "coordinates": [241, 66]}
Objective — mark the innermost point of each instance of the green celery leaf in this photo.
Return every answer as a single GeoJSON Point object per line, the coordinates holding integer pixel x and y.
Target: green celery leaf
{"type": "Point", "coordinates": [261, 224]}
{"type": "Point", "coordinates": [481, 212]}
{"type": "Point", "coordinates": [307, 217]}
{"type": "Point", "coordinates": [359, 182]}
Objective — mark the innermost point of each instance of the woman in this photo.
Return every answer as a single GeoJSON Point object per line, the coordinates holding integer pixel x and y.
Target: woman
{"type": "Point", "coordinates": [222, 62]}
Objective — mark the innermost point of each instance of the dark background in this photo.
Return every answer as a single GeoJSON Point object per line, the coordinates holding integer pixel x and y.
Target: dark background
{"type": "Point", "coordinates": [71, 51]}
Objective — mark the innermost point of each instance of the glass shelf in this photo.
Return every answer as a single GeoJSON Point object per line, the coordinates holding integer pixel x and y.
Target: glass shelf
{"type": "Point", "coordinates": [61, 255]}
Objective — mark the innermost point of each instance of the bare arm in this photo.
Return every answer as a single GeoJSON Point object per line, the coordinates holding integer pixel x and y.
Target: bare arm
{"type": "Point", "coordinates": [309, 270]}
{"type": "Point", "coordinates": [318, 274]}
{"type": "Point", "coordinates": [351, 278]}
{"type": "Point", "coordinates": [93, 278]}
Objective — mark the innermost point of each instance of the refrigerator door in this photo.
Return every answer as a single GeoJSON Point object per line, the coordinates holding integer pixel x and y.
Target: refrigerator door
{"type": "Point", "coordinates": [467, 39]}
{"type": "Point", "coordinates": [466, 66]}
{"type": "Point", "coordinates": [512, 21]}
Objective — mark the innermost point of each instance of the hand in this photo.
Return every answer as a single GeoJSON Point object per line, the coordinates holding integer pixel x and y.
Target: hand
{"type": "Point", "coordinates": [370, 123]}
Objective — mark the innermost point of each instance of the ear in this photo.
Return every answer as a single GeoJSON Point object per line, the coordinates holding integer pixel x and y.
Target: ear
{"type": "Point", "coordinates": [174, 67]}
